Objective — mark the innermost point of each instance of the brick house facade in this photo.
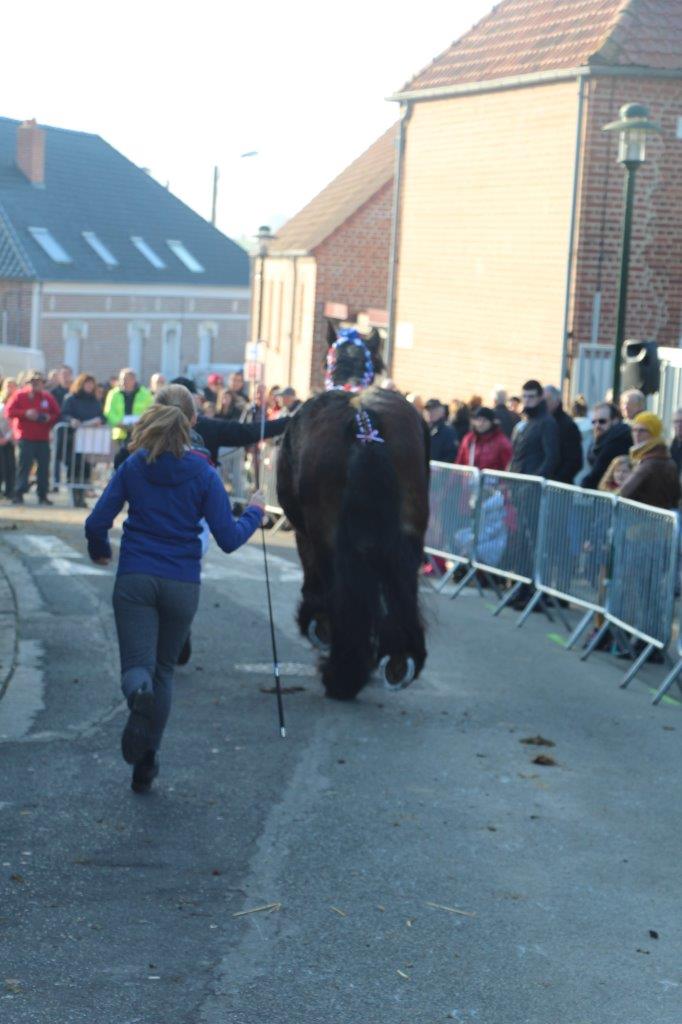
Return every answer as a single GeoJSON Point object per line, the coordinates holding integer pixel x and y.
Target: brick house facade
{"type": "Point", "coordinates": [655, 290]}
{"type": "Point", "coordinates": [101, 267]}
{"type": "Point", "coordinates": [330, 261]}
{"type": "Point", "coordinates": [504, 164]}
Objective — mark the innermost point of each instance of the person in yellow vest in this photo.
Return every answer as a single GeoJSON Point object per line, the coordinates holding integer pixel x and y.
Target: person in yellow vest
{"type": "Point", "coordinates": [125, 404]}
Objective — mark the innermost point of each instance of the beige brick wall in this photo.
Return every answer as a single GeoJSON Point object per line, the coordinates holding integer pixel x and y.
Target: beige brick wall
{"type": "Point", "coordinates": [484, 235]}
{"type": "Point", "coordinates": [287, 320]}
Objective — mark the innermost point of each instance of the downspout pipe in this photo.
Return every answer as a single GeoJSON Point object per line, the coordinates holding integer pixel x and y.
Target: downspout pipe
{"type": "Point", "coordinates": [405, 113]}
{"type": "Point", "coordinates": [292, 323]}
{"type": "Point", "coordinates": [570, 263]}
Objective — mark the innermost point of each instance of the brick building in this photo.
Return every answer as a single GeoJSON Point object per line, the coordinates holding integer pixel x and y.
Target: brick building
{"type": "Point", "coordinates": [510, 197]}
{"type": "Point", "coordinates": [101, 267]}
{"type": "Point", "coordinates": [328, 263]}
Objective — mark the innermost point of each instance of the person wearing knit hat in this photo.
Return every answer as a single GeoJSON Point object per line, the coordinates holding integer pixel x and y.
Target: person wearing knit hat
{"type": "Point", "coordinates": [654, 479]}
{"type": "Point", "coordinates": [485, 445]}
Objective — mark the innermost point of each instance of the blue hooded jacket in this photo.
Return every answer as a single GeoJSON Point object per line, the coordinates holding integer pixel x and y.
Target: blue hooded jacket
{"type": "Point", "coordinates": [167, 499]}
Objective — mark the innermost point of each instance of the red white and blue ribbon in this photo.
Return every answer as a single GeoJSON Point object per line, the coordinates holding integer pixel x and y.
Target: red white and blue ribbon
{"type": "Point", "coordinates": [348, 336]}
{"type": "Point", "coordinates": [367, 434]}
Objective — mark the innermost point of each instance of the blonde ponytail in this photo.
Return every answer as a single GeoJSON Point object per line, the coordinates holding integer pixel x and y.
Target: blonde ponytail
{"type": "Point", "coordinates": [162, 428]}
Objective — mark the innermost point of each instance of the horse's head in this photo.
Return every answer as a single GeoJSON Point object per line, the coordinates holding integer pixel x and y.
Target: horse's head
{"type": "Point", "coordinates": [353, 361]}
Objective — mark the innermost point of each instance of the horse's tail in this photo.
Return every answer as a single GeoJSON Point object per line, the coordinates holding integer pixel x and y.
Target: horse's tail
{"type": "Point", "coordinates": [368, 536]}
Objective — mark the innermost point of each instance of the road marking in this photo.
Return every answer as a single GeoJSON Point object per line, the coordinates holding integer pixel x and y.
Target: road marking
{"type": "Point", "coordinates": [69, 567]}
{"type": "Point", "coordinates": [58, 557]}
{"type": "Point", "coordinates": [286, 668]}
{"type": "Point", "coordinates": [42, 545]}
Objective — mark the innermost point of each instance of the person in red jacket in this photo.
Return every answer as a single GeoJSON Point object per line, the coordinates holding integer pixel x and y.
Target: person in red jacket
{"type": "Point", "coordinates": [485, 446]}
{"type": "Point", "coordinates": [32, 411]}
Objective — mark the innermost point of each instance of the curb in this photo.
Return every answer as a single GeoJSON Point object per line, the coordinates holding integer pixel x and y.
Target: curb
{"type": "Point", "coordinates": [8, 631]}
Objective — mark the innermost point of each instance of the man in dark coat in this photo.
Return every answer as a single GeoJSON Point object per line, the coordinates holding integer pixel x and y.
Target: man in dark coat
{"type": "Point", "coordinates": [63, 386]}
{"type": "Point", "coordinates": [612, 437]}
{"type": "Point", "coordinates": [217, 433]}
{"type": "Point", "coordinates": [536, 438]}
{"type": "Point", "coordinates": [443, 437]}
{"type": "Point", "coordinates": [570, 439]}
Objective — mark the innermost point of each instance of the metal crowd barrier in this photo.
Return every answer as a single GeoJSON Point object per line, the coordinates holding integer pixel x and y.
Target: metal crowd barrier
{"type": "Point", "coordinates": [268, 454]}
{"type": "Point", "coordinates": [609, 556]}
{"type": "Point", "coordinates": [81, 460]}
{"type": "Point", "coordinates": [505, 530]}
{"type": "Point", "coordinates": [641, 594]}
{"type": "Point", "coordinates": [453, 495]}
{"type": "Point", "coordinates": [573, 550]}
{"type": "Point", "coordinates": [232, 469]}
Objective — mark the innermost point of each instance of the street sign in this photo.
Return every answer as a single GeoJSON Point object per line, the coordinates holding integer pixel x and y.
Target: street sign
{"type": "Point", "coordinates": [254, 372]}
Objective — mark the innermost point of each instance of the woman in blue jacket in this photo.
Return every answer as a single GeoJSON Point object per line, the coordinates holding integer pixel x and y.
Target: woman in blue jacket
{"type": "Point", "coordinates": [169, 490]}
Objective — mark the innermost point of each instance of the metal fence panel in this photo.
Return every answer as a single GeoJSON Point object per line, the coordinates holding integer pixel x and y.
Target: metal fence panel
{"type": "Point", "coordinates": [453, 494]}
{"type": "Point", "coordinates": [268, 477]}
{"type": "Point", "coordinates": [641, 595]}
{"type": "Point", "coordinates": [81, 460]}
{"type": "Point", "coordinates": [232, 468]}
{"type": "Point", "coordinates": [574, 548]}
{"type": "Point", "coordinates": [507, 523]}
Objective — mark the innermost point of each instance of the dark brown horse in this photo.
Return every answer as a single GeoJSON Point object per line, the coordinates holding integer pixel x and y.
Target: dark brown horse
{"type": "Point", "coordinates": [353, 481]}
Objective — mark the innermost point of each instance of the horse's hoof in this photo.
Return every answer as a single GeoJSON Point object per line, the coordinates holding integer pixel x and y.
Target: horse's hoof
{"type": "Point", "coordinates": [315, 638]}
{"type": "Point", "coordinates": [390, 672]}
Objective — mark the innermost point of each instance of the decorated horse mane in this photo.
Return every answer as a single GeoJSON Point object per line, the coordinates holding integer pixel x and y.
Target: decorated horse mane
{"type": "Point", "coordinates": [351, 365]}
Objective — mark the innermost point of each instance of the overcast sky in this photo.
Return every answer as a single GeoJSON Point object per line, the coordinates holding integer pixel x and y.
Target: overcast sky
{"type": "Point", "coordinates": [179, 87]}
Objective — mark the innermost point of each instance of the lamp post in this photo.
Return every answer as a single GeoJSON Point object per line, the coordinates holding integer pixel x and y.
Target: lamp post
{"type": "Point", "coordinates": [264, 237]}
{"type": "Point", "coordinates": [633, 125]}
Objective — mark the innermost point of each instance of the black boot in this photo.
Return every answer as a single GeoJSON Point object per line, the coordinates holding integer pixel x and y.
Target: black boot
{"type": "Point", "coordinates": [144, 773]}
{"type": "Point", "coordinates": [136, 738]}
{"type": "Point", "coordinates": [186, 652]}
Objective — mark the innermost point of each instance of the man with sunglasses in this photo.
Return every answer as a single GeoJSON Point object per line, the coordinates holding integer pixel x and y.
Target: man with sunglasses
{"type": "Point", "coordinates": [612, 438]}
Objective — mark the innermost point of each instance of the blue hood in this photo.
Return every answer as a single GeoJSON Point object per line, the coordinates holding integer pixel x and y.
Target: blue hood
{"type": "Point", "coordinates": [167, 470]}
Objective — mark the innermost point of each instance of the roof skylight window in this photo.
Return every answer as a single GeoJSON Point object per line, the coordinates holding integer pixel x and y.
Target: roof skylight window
{"type": "Point", "coordinates": [147, 252]}
{"type": "Point", "coordinates": [185, 256]}
{"type": "Point", "coordinates": [100, 248]}
{"type": "Point", "coordinates": [49, 244]}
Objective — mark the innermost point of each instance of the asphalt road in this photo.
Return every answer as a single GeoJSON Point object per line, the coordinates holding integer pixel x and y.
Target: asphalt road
{"type": "Point", "coordinates": [414, 864]}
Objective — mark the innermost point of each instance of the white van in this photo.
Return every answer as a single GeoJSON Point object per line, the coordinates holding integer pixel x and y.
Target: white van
{"type": "Point", "coordinates": [15, 358]}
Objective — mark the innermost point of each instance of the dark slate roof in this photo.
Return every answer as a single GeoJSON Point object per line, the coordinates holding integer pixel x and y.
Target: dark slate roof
{"type": "Point", "coordinates": [521, 37]}
{"type": "Point", "coordinates": [90, 186]}
{"type": "Point", "coordinates": [13, 261]}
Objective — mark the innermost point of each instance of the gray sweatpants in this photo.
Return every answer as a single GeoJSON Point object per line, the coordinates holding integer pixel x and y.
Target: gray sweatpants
{"type": "Point", "coordinates": [153, 618]}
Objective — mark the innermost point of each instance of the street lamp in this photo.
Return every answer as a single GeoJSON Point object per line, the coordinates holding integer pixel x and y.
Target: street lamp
{"type": "Point", "coordinates": [264, 237]}
{"type": "Point", "coordinates": [633, 126]}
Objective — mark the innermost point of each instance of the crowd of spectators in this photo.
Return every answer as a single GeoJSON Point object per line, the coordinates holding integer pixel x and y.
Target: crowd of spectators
{"type": "Point", "coordinates": [32, 405]}
{"type": "Point", "coordinates": [617, 448]}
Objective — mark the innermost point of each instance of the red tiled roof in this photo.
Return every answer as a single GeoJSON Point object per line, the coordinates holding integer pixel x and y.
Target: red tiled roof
{"type": "Point", "coordinates": [521, 37]}
{"type": "Point", "coordinates": [340, 199]}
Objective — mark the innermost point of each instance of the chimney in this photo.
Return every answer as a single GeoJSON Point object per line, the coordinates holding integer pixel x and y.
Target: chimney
{"type": "Point", "coordinates": [31, 152]}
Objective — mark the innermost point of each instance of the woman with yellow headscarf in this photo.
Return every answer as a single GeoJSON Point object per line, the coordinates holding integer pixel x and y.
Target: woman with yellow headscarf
{"type": "Point", "coordinates": [654, 478]}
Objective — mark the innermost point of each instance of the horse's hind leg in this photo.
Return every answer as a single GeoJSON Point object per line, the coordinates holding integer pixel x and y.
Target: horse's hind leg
{"type": "Point", "coordinates": [313, 613]}
{"type": "Point", "coordinates": [402, 648]}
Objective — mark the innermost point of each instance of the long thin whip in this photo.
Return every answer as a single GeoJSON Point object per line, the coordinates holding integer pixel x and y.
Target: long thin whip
{"type": "Point", "coordinates": [273, 639]}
